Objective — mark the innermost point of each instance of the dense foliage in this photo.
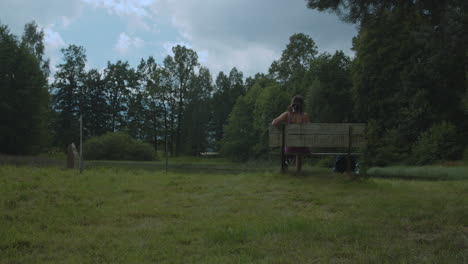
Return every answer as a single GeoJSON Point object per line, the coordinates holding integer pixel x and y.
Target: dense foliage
{"type": "Point", "coordinates": [408, 76]}
{"type": "Point", "coordinates": [117, 146]}
{"type": "Point", "coordinates": [23, 92]}
{"type": "Point", "coordinates": [440, 142]}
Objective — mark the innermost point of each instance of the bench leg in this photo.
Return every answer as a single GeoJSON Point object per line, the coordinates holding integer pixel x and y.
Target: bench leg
{"type": "Point", "coordinates": [298, 164]}
{"type": "Point", "coordinates": [348, 164]}
{"type": "Point", "coordinates": [348, 168]}
{"type": "Point", "coordinates": [283, 156]}
{"type": "Point", "coordinates": [283, 164]}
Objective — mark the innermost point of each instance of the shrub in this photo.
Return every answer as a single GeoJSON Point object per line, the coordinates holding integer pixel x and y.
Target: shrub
{"type": "Point", "coordinates": [394, 148]}
{"type": "Point", "coordinates": [326, 162]}
{"type": "Point", "coordinates": [384, 147]}
{"type": "Point", "coordinates": [437, 143]}
{"type": "Point", "coordinates": [117, 146]}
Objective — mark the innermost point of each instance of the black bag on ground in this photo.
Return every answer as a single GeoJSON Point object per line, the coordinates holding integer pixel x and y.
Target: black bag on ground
{"type": "Point", "coordinates": [340, 163]}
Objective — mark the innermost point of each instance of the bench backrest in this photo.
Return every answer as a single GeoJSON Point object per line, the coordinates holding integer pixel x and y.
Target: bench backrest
{"type": "Point", "coordinates": [319, 135]}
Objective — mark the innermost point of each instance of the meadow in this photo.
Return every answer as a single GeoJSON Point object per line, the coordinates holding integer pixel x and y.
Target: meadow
{"type": "Point", "coordinates": [126, 214]}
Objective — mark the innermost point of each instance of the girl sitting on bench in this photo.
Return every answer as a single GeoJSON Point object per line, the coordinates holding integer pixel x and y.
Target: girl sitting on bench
{"type": "Point", "coordinates": [294, 115]}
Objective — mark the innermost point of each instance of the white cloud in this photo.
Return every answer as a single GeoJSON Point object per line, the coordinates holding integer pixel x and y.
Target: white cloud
{"type": "Point", "coordinates": [135, 12]}
{"type": "Point", "coordinates": [53, 67]}
{"type": "Point", "coordinates": [53, 42]}
{"type": "Point", "coordinates": [52, 39]}
{"type": "Point", "coordinates": [250, 59]}
{"type": "Point", "coordinates": [135, 23]}
{"type": "Point", "coordinates": [203, 56]}
{"type": "Point", "coordinates": [242, 33]}
{"type": "Point", "coordinates": [126, 43]}
{"type": "Point", "coordinates": [123, 7]}
{"type": "Point", "coordinates": [16, 13]}
{"type": "Point", "coordinates": [250, 34]}
{"type": "Point", "coordinates": [66, 21]}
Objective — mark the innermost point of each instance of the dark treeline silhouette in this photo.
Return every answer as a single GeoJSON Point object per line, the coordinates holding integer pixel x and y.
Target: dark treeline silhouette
{"type": "Point", "coordinates": [23, 91]}
{"type": "Point", "coordinates": [408, 81]}
{"type": "Point", "coordinates": [175, 101]}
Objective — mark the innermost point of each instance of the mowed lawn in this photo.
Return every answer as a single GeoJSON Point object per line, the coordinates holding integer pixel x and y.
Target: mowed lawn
{"type": "Point", "coordinates": [105, 215]}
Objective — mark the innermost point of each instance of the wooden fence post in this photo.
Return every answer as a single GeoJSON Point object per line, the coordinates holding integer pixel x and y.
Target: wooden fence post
{"type": "Point", "coordinates": [72, 157]}
{"type": "Point", "coordinates": [283, 155]}
{"type": "Point", "coordinates": [348, 157]}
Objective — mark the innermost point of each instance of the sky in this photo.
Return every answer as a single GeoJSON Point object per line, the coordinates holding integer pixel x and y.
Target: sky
{"type": "Point", "coordinates": [247, 34]}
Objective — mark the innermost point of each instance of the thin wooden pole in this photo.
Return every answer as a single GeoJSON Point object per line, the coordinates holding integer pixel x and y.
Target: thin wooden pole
{"type": "Point", "coordinates": [166, 151]}
{"type": "Point", "coordinates": [348, 157]}
{"type": "Point", "coordinates": [81, 143]}
{"type": "Point", "coordinates": [283, 155]}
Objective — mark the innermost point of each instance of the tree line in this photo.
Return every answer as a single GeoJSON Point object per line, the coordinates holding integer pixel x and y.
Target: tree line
{"type": "Point", "coordinates": [24, 97]}
{"type": "Point", "coordinates": [407, 80]}
{"type": "Point", "coordinates": [175, 103]}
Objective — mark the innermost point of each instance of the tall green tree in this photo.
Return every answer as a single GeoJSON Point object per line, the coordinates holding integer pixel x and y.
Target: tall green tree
{"type": "Point", "coordinates": [270, 102]}
{"type": "Point", "coordinates": [23, 97]}
{"type": "Point", "coordinates": [198, 110]}
{"type": "Point", "coordinates": [329, 97]}
{"type": "Point", "coordinates": [69, 94]}
{"type": "Point", "coordinates": [221, 107]}
{"type": "Point", "coordinates": [120, 79]}
{"type": "Point", "coordinates": [96, 110]}
{"type": "Point", "coordinates": [245, 126]}
{"type": "Point", "coordinates": [294, 62]}
{"type": "Point", "coordinates": [236, 85]}
{"type": "Point", "coordinates": [166, 90]}
{"type": "Point", "coordinates": [135, 116]}
{"type": "Point", "coordinates": [152, 101]}
{"type": "Point", "coordinates": [239, 134]}
{"type": "Point", "coordinates": [182, 67]}
{"type": "Point", "coordinates": [33, 40]}
{"type": "Point", "coordinates": [228, 88]}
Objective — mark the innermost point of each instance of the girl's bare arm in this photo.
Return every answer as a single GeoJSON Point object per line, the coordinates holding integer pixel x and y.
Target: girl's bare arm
{"type": "Point", "coordinates": [283, 118]}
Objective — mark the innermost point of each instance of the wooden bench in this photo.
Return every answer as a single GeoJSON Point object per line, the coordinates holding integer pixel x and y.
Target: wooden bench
{"type": "Point", "coordinates": [322, 139]}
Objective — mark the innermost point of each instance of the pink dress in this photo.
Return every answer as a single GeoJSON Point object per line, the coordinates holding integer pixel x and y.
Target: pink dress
{"type": "Point", "coordinates": [300, 150]}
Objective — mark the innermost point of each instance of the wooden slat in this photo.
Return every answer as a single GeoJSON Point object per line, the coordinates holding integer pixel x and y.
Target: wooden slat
{"type": "Point", "coordinates": [275, 136]}
{"type": "Point", "coordinates": [318, 135]}
{"type": "Point", "coordinates": [326, 128]}
{"type": "Point", "coordinates": [336, 154]}
{"type": "Point", "coordinates": [331, 141]}
{"type": "Point", "coordinates": [293, 140]}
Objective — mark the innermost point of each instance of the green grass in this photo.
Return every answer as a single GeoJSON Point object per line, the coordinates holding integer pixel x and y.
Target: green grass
{"type": "Point", "coordinates": [122, 215]}
{"type": "Point", "coordinates": [421, 172]}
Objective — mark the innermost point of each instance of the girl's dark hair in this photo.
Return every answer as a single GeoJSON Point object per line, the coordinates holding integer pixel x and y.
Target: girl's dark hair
{"type": "Point", "coordinates": [297, 104]}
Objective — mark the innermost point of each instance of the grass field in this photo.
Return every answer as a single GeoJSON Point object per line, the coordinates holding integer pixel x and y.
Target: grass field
{"type": "Point", "coordinates": [122, 215]}
{"type": "Point", "coordinates": [421, 172]}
